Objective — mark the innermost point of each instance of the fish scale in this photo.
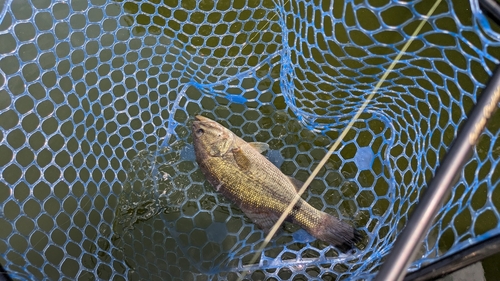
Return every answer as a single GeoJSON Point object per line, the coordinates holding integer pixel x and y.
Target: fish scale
{"type": "Point", "coordinates": [233, 187]}
{"type": "Point", "coordinates": [238, 170]}
{"type": "Point", "coordinates": [236, 182]}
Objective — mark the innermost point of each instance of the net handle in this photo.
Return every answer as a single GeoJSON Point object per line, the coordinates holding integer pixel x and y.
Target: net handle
{"type": "Point", "coordinates": [407, 243]}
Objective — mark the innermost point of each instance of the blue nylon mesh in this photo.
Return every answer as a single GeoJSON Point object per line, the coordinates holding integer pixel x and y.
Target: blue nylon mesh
{"type": "Point", "coordinates": [98, 179]}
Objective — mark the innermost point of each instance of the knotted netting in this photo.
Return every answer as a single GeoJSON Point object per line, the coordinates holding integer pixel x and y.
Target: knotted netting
{"type": "Point", "coordinates": [98, 178]}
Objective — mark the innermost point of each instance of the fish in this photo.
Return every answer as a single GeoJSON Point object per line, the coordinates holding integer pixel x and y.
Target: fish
{"type": "Point", "coordinates": [238, 170]}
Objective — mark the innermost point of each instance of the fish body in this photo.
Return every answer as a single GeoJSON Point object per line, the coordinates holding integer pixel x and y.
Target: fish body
{"type": "Point", "coordinates": [239, 171]}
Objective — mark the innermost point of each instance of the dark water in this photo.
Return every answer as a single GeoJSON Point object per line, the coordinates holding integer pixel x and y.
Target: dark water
{"type": "Point", "coordinates": [125, 114]}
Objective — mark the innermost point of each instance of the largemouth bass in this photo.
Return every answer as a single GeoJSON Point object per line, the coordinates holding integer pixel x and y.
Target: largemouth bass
{"type": "Point", "coordinates": [239, 171]}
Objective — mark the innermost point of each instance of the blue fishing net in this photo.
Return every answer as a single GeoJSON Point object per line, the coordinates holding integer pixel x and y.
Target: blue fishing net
{"type": "Point", "coordinates": [98, 178]}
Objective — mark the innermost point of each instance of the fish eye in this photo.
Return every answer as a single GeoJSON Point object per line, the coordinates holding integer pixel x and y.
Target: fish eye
{"type": "Point", "coordinates": [200, 132]}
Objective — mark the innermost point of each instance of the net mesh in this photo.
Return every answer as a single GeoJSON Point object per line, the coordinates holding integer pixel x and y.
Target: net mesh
{"type": "Point", "coordinates": [98, 178]}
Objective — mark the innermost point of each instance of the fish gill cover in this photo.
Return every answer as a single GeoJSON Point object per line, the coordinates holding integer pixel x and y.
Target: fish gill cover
{"type": "Point", "coordinates": [98, 178]}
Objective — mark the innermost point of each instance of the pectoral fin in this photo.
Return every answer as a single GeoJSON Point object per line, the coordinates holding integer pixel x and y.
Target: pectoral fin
{"type": "Point", "coordinates": [296, 183]}
{"type": "Point", "coordinates": [241, 159]}
{"type": "Point", "coordinates": [259, 146]}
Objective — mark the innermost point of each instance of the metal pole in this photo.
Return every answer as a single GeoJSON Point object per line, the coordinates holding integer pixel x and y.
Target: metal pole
{"type": "Point", "coordinates": [4, 275]}
{"type": "Point", "coordinates": [404, 250]}
{"type": "Point", "coordinates": [456, 261]}
{"type": "Point", "coordinates": [491, 8]}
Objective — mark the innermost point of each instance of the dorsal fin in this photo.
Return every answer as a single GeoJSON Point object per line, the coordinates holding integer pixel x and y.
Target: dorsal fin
{"type": "Point", "coordinates": [259, 146]}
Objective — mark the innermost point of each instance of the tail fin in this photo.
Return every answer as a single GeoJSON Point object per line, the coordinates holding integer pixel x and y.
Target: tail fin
{"type": "Point", "coordinates": [336, 232]}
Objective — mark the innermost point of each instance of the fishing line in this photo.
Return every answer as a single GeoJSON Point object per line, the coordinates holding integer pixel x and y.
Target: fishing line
{"type": "Point", "coordinates": [342, 135]}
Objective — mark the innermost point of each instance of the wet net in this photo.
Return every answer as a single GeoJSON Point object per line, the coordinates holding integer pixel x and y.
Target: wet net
{"type": "Point", "coordinates": [98, 178]}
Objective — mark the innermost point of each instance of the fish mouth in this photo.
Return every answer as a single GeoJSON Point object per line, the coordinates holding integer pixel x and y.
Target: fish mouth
{"type": "Point", "coordinates": [202, 119]}
{"type": "Point", "coordinates": [198, 120]}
